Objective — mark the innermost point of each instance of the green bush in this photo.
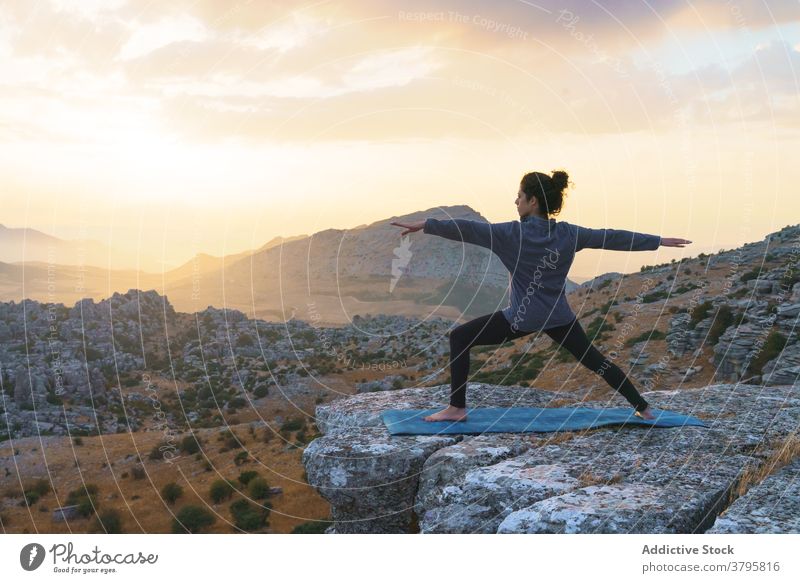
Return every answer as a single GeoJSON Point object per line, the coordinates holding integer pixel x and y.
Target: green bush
{"type": "Point", "coordinates": [220, 490]}
{"type": "Point", "coordinates": [247, 516]}
{"type": "Point", "coordinates": [93, 353]}
{"type": "Point", "coordinates": [700, 312]}
{"type": "Point", "coordinates": [790, 277]}
{"type": "Point", "coordinates": [192, 519]}
{"type": "Point", "coordinates": [312, 527]}
{"type": "Point", "coordinates": [654, 297]}
{"type": "Point", "coordinates": [293, 424]}
{"type": "Point", "coordinates": [157, 453]}
{"type": "Point", "coordinates": [245, 477]}
{"type": "Point", "coordinates": [109, 522]}
{"type": "Point", "coordinates": [258, 488]}
{"type": "Point", "coordinates": [85, 498]}
{"type": "Point", "coordinates": [231, 440]}
{"type": "Point", "coordinates": [40, 486]}
{"type": "Point", "coordinates": [30, 498]}
{"type": "Point", "coordinates": [524, 369]}
{"type": "Point", "coordinates": [773, 345]}
{"type": "Point", "coordinates": [53, 399]}
{"type": "Point", "coordinates": [752, 274]}
{"type": "Point", "coordinates": [261, 391]}
{"type": "Point", "coordinates": [722, 319]}
{"type": "Point", "coordinates": [171, 492]}
{"type": "Point", "coordinates": [190, 444]}
{"type": "Point", "coordinates": [597, 328]}
{"type": "Point", "coordinates": [652, 335]}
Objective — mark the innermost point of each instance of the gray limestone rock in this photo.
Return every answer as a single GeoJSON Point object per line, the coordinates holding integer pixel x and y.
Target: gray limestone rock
{"type": "Point", "coordinates": [631, 479]}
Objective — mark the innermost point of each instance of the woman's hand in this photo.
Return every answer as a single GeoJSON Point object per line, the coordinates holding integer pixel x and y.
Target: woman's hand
{"type": "Point", "coordinates": [674, 242]}
{"type": "Point", "coordinates": [410, 228]}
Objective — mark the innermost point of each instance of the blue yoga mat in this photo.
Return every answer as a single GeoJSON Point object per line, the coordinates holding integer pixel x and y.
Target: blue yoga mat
{"type": "Point", "coordinates": [526, 420]}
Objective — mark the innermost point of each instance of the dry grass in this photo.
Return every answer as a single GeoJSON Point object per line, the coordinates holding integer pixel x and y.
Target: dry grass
{"type": "Point", "coordinates": [780, 453]}
{"type": "Point", "coordinates": [559, 437]}
{"type": "Point", "coordinates": [587, 478]}
{"type": "Point", "coordinates": [724, 415]}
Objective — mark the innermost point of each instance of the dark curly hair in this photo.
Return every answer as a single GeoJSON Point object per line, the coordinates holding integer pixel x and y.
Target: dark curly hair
{"type": "Point", "coordinates": [548, 190]}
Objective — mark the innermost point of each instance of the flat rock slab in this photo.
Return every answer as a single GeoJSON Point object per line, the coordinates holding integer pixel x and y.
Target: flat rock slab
{"type": "Point", "coordinates": [605, 479]}
{"type": "Point", "coordinates": [773, 506]}
{"type": "Point", "coordinates": [617, 508]}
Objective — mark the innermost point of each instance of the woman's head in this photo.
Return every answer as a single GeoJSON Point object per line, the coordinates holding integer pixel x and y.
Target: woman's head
{"type": "Point", "coordinates": [542, 195]}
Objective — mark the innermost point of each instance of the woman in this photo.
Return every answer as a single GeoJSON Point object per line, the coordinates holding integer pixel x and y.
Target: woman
{"type": "Point", "coordinates": [538, 252]}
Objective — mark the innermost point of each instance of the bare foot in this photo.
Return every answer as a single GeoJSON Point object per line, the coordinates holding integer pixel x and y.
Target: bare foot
{"type": "Point", "coordinates": [646, 414]}
{"type": "Point", "coordinates": [449, 414]}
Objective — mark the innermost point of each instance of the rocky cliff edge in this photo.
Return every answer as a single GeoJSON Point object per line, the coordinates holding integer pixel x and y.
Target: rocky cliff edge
{"type": "Point", "coordinates": [618, 479]}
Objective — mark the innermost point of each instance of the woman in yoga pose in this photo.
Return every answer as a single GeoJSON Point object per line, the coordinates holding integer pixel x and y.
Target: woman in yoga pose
{"type": "Point", "coordinates": [538, 252]}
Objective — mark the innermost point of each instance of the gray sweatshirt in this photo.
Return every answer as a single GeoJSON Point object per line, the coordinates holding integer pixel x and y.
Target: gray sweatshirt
{"type": "Point", "coordinates": [538, 253]}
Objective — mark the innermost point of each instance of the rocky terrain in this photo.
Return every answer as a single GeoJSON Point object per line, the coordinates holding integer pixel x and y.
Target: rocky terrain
{"type": "Point", "coordinates": [736, 311]}
{"type": "Point", "coordinates": [134, 370]}
{"type": "Point", "coordinates": [616, 479]}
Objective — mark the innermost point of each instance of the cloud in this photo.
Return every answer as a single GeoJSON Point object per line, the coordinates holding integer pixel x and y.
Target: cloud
{"type": "Point", "coordinates": [215, 70]}
{"type": "Point", "coordinates": [145, 38]}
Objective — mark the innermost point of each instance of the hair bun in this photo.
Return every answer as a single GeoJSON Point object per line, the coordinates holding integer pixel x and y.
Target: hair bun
{"type": "Point", "coordinates": [559, 179]}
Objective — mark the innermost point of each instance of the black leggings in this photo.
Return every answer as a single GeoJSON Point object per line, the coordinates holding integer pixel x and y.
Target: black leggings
{"type": "Point", "coordinates": [495, 329]}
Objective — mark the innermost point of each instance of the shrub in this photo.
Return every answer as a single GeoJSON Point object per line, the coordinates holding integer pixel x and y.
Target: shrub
{"type": "Point", "coordinates": [109, 522]}
{"type": "Point", "coordinates": [85, 498]}
{"type": "Point", "coordinates": [231, 439]}
{"type": "Point", "coordinates": [30, 498]}
{"type": "Point", "coordinates": [138, 472]}
{"type": "Point", "coordinates": [652, 335]}
{"type": "Point", "coordinates": [157, 453]}
{"type": "Point", "coordinates": [293, 424]}
{"type": "Point", "coordinates": [654, 297]}
{"type": "Point", "coordinates": [93, 353]}
{"type": "Point", "coordinates": [190, 444]}
{"type": "Point", "coordinates": [722, 319]}
{"type": "Point", "coordinates": [790, 277]}
{"type": "Point", "coordinates": [220, 490]}
{"type": "Point", "coordinates": [77, 440]}
{"type": "Point", "coordinates": [35, 491]}
{"type": "Point", "coordinates": [258, 488]}
{"type": "Point", "coordinates": [261, 391]}
{"type": "Point", "coordinates": [700, 312]}
{"type": "Point", "coordinates": [192, 519]}
{"type": "Point", "coordinates": [171, 492]}
{"type": "Point", "coordinates": [752, 274]}
{"type": "Point", "coordinates": [246, 477]}
{"type": "Point", "coordinates": [247, 516]}
{"type": "Point", "coordinates": [773, 346]}
{"type": "Point", "coordinates": [597, 328]}
{"type": "Point", "coordinates": [241, 458]}
{"type": "Point", "coordinates": [312, 527]}
{"type": "Point", "coordinates": [40, 486]}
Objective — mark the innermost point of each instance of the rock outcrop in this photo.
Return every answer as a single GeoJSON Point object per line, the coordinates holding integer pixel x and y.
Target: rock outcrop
{"type": "Point", "coordinates": [618, 479]}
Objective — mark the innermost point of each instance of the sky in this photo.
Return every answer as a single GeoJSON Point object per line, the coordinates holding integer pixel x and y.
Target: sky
{"type": "Point", "coordinates": [210, 126]}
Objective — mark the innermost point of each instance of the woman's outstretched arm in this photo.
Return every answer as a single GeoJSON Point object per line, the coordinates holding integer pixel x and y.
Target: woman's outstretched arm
{"type": "Point", "coordinates": [620, 240]}
{"type": "Point", "coordinates": [466, 230]}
